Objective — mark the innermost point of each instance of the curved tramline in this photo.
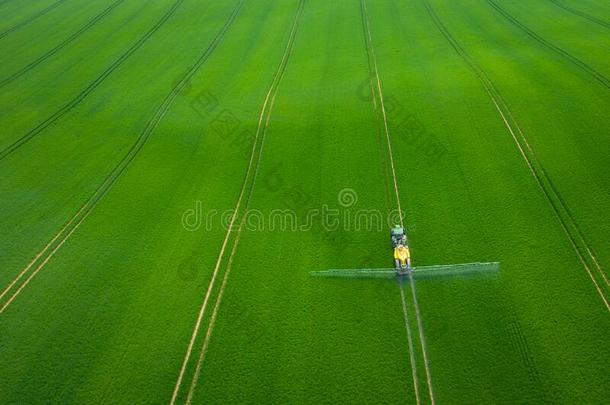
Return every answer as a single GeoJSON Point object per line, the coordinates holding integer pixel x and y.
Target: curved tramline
{"type": "Point", "coordinates": [577, 62]}
{"type": "Point", "coordinates": [31, 18]}
{"type": "Point", "coordinates": [66, 108]}
{"type": "Point", "coordinates": [249, 183]}
{"type": "Point", "coordinates": [560, 209]}
{"type": "Point", "coordinates": [61, 45]}
{"type": "Point", "coordinates": [42, 258]}
{"type": "Point", "coordinates": [581, 14]}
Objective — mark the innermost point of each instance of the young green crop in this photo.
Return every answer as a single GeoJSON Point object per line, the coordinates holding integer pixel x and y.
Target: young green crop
{"type": "Point", "coordinates": [109, 316]}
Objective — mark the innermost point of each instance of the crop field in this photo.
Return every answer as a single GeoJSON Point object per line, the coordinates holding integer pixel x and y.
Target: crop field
{"type": "Point", "coordinates": [171, 171]}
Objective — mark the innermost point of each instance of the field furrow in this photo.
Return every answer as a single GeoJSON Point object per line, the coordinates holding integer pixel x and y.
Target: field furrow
{"type": "Point", "coordinates": [28, 20]}
{"type": "Point", "coordinates": [582, 14]}
{"type": "Point", "coordinates": [76, 220]}
{"type": "Point", "coordinates": [42, 91]}
{"type": "Point", "coordinates": [31, 65]}
{"type": "Point", "coordinates": [91, 87]}
{"type": "Point", "coordinates": [579, 63]}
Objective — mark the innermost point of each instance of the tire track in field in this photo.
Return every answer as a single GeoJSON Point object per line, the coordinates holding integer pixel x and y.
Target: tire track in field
{"type": "Point", "coordinates": [560, 209]}
{"type": "Point", "coordinates": [92, 86]}
{"type": "Point", "coordinates": [255, 154]}
{"type": "Point", "coordinates": [61, 45]}
{"type": "Point", "coordinates": [405, 314]}
{"type": "Point", "coordinates": [375, 76]}
{"type": "Point", "coordinates": [31, 18]}
{"type": "Point", "coordinates": [60, 238]}
{"type": "Point", "coordinates": [581, 14]}
{"type": "Point", "coordinates": [577, 62]}
{"type": "Point", "coordinates": [519, 344]}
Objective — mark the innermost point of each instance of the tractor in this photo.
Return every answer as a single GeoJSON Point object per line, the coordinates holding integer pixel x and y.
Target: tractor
{"type": "Point", "coordinates": [402, 255]}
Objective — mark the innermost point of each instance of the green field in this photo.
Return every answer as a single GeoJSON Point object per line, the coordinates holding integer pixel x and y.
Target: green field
{"type": "Point", "coordinates": [167, 170]}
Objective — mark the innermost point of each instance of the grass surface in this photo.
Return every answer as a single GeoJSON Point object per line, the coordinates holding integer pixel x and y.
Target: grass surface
{"type": "Point", "coordinates": [118, 118]}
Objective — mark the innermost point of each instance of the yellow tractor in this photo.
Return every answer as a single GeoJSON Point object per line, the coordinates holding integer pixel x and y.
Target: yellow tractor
{"type": "Point", "coordinates": [402, 255]}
